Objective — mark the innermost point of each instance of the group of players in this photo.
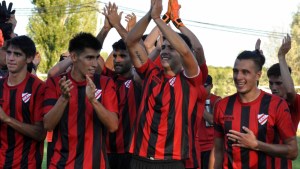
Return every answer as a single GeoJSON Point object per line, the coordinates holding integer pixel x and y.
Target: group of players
{"type": "Point", "coordinates": [151, 107]}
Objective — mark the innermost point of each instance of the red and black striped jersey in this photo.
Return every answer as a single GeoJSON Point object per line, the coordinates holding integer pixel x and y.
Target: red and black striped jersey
{"type": "Point", "coordinates": [194, 122]}
{"type": "Point", "coordinates": [284, 163]}
{"type": "Point", "coordinates": [206, 135]}
{"type": "Point", "coordinates": [79, 137]}
{"type": "Point", "coordinates": [22, 102]}
{"type": "Point", "coordinates": [129, 98]}
{"type": "Point", "coordinates": [161, 130]}
{"type": "Point", "coordinates": [267, 116]}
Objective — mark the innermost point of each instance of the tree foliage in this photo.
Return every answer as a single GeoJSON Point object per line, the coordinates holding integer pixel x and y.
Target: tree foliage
{"type": "Point", "coordinates": [55, 22]}
{"type": "Point", "coordinates": [293, 57]}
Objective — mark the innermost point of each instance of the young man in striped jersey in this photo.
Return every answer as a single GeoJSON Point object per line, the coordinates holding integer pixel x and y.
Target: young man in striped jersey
{"type": "Point", "coordinates": [160, 139]}
{"type": "Point", "coordinates": [80, 107]}
{"type": "Point", "coordinates": [248, 122]}
{"type": "Point", "coordinates": [21, 120]}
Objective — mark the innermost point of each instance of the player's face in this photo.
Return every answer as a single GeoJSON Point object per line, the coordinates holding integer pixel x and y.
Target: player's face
{"type": "Point", "coordinates": [245, 76]}
{"type": "Point", "coordinates": [122, 62]}
{"type": "Point", "coordinates": [16, 60]}
{"type": "Point", "coordinates": [86, 62]}
{"type": "Point", "coordinates": [276, 86]}
{"type": "Point", "coordinates": [170, 58]}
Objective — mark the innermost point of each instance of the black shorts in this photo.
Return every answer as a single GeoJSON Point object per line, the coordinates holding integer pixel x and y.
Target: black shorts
{"type": "Point", "coordinates": [119, 161]}
{"type": "Point", "coordinates": [205, 159]}
{"type": "Point", "coordinates": [145, 163]}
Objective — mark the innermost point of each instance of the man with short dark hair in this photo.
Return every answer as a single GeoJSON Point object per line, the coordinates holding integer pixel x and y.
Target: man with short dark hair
{"type": "Point", "coordinates": [21, 120]}
{"type": "Point", "coordinates": [80, 106]}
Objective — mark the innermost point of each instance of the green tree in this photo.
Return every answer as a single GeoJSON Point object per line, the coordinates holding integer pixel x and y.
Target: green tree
{"type": "Point", "coordinates": [293, 57]}
{"type": "Point", "coordinates": [55, 22]}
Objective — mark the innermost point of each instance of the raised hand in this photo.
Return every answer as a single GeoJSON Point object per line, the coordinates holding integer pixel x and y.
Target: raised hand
{"type": "Point", "coordinates": [285, 46]}
{"type": "Point", "coordinates": [257, 46]}
{"type": "Point", "coordinates": [65, 87]}
{"type": "Point", "coordinates": [5, 12]}
{"type": "Point", "coordinates": [111, 13]}
{"type": "Point", "coordinates": [156, 9]}
{"type": "Point", "coordinates": [131, 21]}
{"type": "Point", "coordinates": [90, 89]}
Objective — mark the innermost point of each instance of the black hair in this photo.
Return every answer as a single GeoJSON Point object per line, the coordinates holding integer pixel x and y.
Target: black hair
{"type": "Point", "coordinates": [274, 70]}
{"type": "Point", "coordinates": [84, 40]}
{"type": "Point", "coordinates": [119, 45]}
{"type": "Point", "coordinates": [256, 56]}
{"type": "Point", "coordinates": [24, 43]}
{"type": "Point", "coordinates": [185, 38]}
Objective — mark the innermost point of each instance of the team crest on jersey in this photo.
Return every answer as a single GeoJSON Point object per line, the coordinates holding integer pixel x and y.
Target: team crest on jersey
{"type": "Point", "coordinates": [127, 83]}
{"type": "Point", "coordinates": [26, 97]}
{"type": "Point", "coordinates": [172, 81]}
{"type": "Point", "coordinates": [98, 93]}
{"type": "Point", "coordinates": [262, 118]}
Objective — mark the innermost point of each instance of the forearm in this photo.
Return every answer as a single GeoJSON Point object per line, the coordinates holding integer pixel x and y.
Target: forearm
{"type": "Point", "coordinates": [121, 30]}
{"type": "Point", "coordinates": [208, 117]}
{"type": "Point", "coordinates": [136, 34]}
{"type": "Point", "coordinates": [102, 34]}
{"type": "Point", "coordinates": [151, 39]}
{"type": "Point", "coordinates": [287, 79]}
{"type": "Point", "coordinates": [60, 67]}
{"type": "Point", "coordinates": [109, 119]}
{"type": "Point", "coordinates": [197, 46]}
{"type": "Point", "coordinates": [288, 151]}
{"type": "Point", "coordinates": [34, 131]}
{"type": "Point", "coordinates": [218, 152]}
{"type": "Point", "coordinates": [52, 118]}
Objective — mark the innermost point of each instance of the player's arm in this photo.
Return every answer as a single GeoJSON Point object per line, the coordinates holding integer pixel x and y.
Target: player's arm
{"type": "Point", "coordinates": [136, 50]}
{"type": "Point", "coordinates": [105, 29]}
{"type": "Point", "coordinates": [284, 69]}
{"type": "Point", "coordinates": [109, 119]}
{"type": "Point", "coordinates": [60, 67]}
{"type": "Point", "coordinates": [208, 117]}
{"type": "Point", "coordinates": [52, 117]}
{"type": "Point", "coordinates": [35, 131]}
{"type": "Point", "coordinates": [287, 150]}
{"type": "Point", "coordinates": [114, 18]}
{"type": "Point", "coordinates": [189, 62]}
{"type": "Point", "coordinates": [218, 152]}
{"type": "Point", "coordinates": [149, 42]}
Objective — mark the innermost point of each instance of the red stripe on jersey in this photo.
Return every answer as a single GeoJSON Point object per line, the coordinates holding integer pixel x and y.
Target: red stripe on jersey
{"type": "Point", "coordinates": [17, 150]}
{"type": "Point", "coordinates": [231, 114]}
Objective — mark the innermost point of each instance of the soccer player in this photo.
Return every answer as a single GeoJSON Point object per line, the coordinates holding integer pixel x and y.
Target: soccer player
{"type": "Point", "coordinates": [160, 139]}
{"type": "Point", "coordinates": [248, 122]}
{"type": "Point", "coordinates": [21, 120]}
{"type": "Point", "coordinates": [80, 107]}
{"type": "Point", "coordinates": [282, 85]}
{"type": "Point", "coordinates": [129, 97]}
{"type": "Point", "coordinates": [281, 82]}
{"type": "Point", "coordinates": [206, 135]}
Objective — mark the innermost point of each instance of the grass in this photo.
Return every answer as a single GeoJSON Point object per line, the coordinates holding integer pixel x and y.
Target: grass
{"type": "Point", "coordinates": [296, 163]}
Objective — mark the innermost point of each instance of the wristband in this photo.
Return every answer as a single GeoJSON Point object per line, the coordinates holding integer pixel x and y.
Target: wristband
{"type": "Point", "coordinates": [177, 23]}
{"type": "Point", "coordinates": [166, 18]}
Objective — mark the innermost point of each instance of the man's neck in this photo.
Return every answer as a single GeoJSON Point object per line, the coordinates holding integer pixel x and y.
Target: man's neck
{"type": "Point", "coordinates": [76, 76]}
{"type": "Point", "coordinates": [250, 96]}
{"type": "Point", "coordinates": [16, 78]}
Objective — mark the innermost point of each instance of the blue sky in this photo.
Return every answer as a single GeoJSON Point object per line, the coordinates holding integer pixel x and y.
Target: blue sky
{"type": "Point", "coordinates": [221, 46]}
